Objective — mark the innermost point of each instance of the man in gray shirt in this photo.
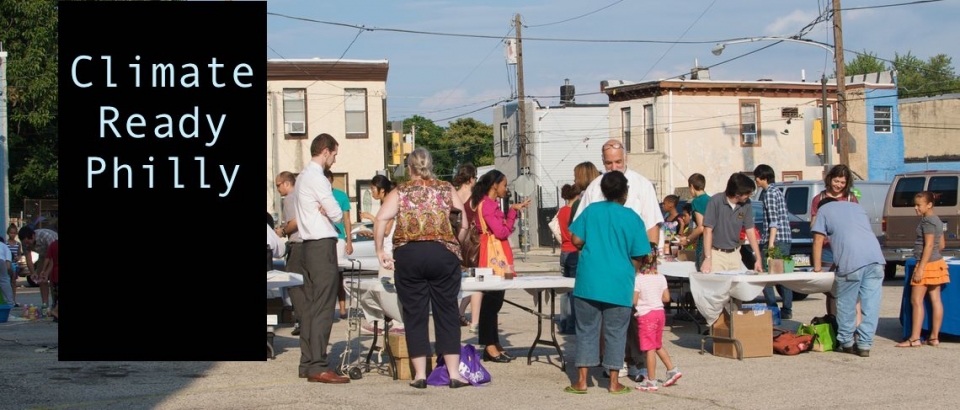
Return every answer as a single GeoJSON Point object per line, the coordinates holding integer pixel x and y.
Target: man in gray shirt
{"type": "Point", "coordinates": [727, 213]}
{"type": "Point", "coordinates": [858, 266]}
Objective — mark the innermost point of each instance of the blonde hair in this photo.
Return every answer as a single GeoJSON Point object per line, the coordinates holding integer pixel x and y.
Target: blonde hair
{"type": "Point", "coordinates": [583, 174]}
{"type": "Point", "coordinates": [420, 163]}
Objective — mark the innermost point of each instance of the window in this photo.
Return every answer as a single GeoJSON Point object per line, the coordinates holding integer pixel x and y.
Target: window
{"type": "Point", "coordinates": [791, 176]}
{"type": "Point", "coordinates": [504, 140]}
{"type": "Point", "coordinates": [946, 187]}
{"type": "Point", "coordinates": [355, 106]}
{"type": "Point", "coordinates": [625, 128]}
{"type": "Point", "coordinates": [648, 142]}
{"type": "Point", "coordinates": [797, 199]}
{"type": "Point", "coordinates": [881, 118]}
{"type": "Point", "coordinates": [906, 189]}
{"type": "Point", "coordinates": [749, 123]}
{"type": "Point", "coordinates": [295, 113]}
{"type": "Point", "coordinates": [789, 112]}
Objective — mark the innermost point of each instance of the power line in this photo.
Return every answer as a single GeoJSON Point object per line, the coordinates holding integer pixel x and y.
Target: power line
{"type": "Point", "coordinates": [471, 112]}
{"type": "Point", "coordinates": [475, 68]}
{"type": "Point", "coordinates": [437, 33]}
{"type": "Point", "coordinates": [681, 36]}
{"type": "Point", "coordinates": [891, 5]}
{"type": "Point", "coordinates": [577, 17]}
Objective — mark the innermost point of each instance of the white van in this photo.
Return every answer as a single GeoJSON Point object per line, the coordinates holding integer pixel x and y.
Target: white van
{"type": "Point", "coordinates": [798, 196]}
{"type": "Point", "coordinates": [900, 220]}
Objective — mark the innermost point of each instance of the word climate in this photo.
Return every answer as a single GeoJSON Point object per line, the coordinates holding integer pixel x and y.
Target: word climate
{"type": "Point", "coordinates": [178, 122]}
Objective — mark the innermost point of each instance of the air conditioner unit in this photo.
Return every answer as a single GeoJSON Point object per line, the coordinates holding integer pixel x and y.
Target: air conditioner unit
{"type": "Point", "coordinates": [749, 138]}
{"type": "Point", "coordinates": [295, 127]}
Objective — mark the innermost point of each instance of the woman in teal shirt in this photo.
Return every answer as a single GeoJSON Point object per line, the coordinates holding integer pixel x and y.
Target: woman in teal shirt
{"type": "Point", "coordinates": [612, 240]}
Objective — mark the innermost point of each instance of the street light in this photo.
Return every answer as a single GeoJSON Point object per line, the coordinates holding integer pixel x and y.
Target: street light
{"type": "Point", "coordinates": [718, 49]}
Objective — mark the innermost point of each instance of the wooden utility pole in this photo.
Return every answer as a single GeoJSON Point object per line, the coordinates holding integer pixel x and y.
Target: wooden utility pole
{"type": "Point", "coordinates": [841, 85]}
{"type": "Point", "coordinates": [521, 109]}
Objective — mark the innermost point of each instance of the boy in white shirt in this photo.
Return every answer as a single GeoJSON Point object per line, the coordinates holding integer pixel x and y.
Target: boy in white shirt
{"type": "Point", "coordinates": [650, 293]}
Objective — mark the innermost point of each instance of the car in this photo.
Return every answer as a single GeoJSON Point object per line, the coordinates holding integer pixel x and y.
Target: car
{"type": "Point", "coordinates": [363, 258]}
{"type": "Point", "coordinates": [899, 224]}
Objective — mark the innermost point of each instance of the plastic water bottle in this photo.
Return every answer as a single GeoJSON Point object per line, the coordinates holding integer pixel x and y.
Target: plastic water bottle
{"type": "Point", "coordinates": [26, 312]}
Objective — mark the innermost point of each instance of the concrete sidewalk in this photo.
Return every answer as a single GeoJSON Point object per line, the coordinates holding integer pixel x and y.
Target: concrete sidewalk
{"type": "Point", "coordinates": [891, 377]}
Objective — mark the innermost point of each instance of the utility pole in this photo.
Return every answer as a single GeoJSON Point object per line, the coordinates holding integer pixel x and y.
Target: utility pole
{"type": "Point", "coordinates": [841, 85]}
{"type": "Point", "coordinates": [522, 111]}
{"type": "Point", "coordinates": [825, 124]}
{"type": "Point", "coordinates": [4, 139]}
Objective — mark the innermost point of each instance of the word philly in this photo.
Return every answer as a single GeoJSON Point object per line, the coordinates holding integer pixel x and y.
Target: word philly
{"type": "Point", "coordinates": [190, 124]}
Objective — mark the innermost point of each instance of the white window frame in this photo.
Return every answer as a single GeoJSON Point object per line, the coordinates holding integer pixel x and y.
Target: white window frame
{"type": "Point", "coordinates": [625, 124]}
{"type": "Point", "coordinates": [649, 136]}
{"type": "Point", "coordinates": [880, 121]}
{"type": "Point", "coordinates": [354, 109]}
{"type": "Point", "coordinates": [294, 110]}
{"type": "Point", "coordinates": [504, 139]}
{"type": "Point", "coordinates": [749, 124]}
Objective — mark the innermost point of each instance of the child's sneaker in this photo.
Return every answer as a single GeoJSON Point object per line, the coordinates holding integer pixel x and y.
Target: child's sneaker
{"type": "Point", "coordinates": [647, 385]}
{"type": "Point", "coordinates": [672, 377]}
{"type": "Point", "coordinates": [625, 370]}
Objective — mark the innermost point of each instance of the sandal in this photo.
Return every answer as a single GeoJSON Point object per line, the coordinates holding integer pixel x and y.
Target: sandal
{"type": "Point", "coordinates": [933, 342]}
{"type": "Point", "coordinates": [910, 343]}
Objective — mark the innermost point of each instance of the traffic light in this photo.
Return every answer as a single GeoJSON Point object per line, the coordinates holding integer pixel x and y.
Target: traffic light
{"type": "Point", "coordinates": [817, 136]}
{"type": "Point", "coordinates": [395, 148]}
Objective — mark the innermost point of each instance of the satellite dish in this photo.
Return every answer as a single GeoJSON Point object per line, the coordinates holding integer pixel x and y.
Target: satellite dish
{"type": "Point", "coordinates": [524, 185]}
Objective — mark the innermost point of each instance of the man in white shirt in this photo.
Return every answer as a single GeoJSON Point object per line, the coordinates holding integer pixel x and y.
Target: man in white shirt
{"type": "Point", "coordinates": [642, 199]}
{"type": "Point", "coordinates": [317, 212]}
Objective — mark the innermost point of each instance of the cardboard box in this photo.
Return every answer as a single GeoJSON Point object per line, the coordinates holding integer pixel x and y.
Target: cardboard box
{"type": "Point", "coordinates": [753, 328]}
{"type": "Point", "coordinates": [398, 348]}
{"type": "Point", "coordinates": [687, 255]}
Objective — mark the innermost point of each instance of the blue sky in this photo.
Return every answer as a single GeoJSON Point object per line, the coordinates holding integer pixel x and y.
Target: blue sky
{"type": "Point", "coordinates": [443, 76]}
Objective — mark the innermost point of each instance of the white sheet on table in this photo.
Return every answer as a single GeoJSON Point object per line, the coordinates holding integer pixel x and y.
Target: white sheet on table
{"type": "Point", "coordinates": [714, 292]}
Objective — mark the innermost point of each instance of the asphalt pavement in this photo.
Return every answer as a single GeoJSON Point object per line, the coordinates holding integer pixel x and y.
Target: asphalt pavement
{"type": "Point", "coordinates": [33, 378]}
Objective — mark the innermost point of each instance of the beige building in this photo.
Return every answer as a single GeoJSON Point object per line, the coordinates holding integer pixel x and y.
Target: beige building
{"type": "Point", "coordinates": [343, 98]}
{"type": "Point", "coordinates": [930, 128]}
{"type": "Point", "coordinates": [674, 128]}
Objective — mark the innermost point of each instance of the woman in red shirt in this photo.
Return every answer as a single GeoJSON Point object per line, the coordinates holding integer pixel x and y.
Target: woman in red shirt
{"type": "Point", "coordinates": [569, 256]}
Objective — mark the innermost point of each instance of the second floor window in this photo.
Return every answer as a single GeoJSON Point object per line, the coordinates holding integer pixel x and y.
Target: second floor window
{"type": "Point", "coordinates": [882, 116]}
{"type": "Point", "coordinates": [295, 113]}
{"type": "Point", "coordinates": [749, 123]}
{"type": "Point", "coordinates": [504, 140]}
{"type": "Point", "coordinates": [625, 128]}
{"type": "Point", "coordinates": [648, 137]}
{"type": "Point", "coordinates": [355, 107]}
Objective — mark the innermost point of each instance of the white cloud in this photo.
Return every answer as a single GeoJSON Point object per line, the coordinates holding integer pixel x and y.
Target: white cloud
{"type": "Point", "coordinates": [791, 23]}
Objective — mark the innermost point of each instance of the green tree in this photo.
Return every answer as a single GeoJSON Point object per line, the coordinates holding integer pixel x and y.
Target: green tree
{"type": "Point", "coordinates": [918, 78]}
{"type": "Point", "coordinates": [470, 141]}
{"type": "Point", "coordinates": [864, 64]}
{"type": "Point", "coordinates": [28, 30]}
{"type": "Point", "coordinates": [465, 140]}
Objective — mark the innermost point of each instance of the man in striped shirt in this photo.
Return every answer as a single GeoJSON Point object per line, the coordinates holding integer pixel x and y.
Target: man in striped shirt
{"type": "Point", "coordinates": [37, 241]}
{"type": "Point", "coordinates": [775, 232]}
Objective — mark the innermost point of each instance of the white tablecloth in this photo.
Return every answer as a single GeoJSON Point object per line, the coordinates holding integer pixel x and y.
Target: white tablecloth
{"type": "Point", "coordinates": [386, 302]}
{"type": "Point", "coordinates": [712, 292]}
{"type": "Point", "coordinates": [279, 279]}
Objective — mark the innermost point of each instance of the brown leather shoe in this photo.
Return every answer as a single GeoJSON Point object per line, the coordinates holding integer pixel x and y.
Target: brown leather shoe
{"type": "Point", "coordinates": [328, 377]}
